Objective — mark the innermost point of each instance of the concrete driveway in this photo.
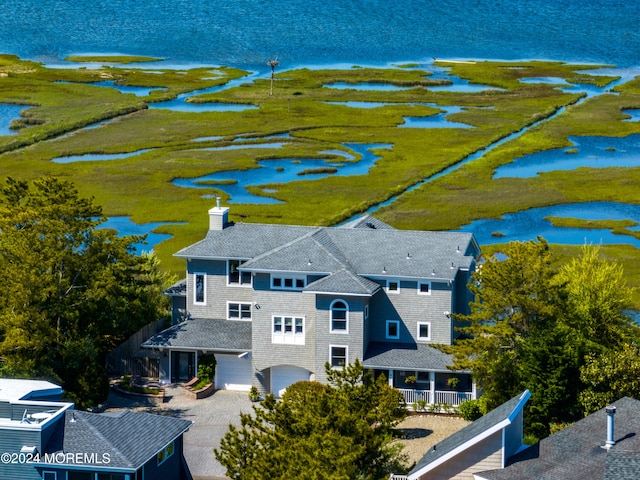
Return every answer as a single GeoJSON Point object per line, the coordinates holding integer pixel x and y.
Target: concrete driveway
{"type": "Point", "coordinates": [211, 417]}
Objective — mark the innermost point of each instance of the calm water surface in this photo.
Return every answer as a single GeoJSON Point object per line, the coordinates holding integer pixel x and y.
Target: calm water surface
{"type": "Point", "coordinates": [246, 33]}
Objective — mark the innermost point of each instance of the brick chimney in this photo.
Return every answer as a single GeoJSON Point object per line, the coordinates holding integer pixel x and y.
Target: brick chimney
{"type": "Point", "coordinates": [218, 216]}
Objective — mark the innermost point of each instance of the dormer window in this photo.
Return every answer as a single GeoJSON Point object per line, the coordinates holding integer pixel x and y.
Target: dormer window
{"type": "Point", "coordinates": [235, 276]}
{"type": "Point", "coordinates": [393, 286]}
{"type": "Point", "coordinates": [288, 282]}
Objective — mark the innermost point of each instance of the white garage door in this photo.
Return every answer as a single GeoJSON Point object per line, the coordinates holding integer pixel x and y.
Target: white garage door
{"type": "Point", "coordinates": [233, 372]}
{"type": "Point", "coordinates": [284, 375]}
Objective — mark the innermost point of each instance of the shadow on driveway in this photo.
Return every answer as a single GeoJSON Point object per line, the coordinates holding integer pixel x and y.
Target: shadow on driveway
{"type": "Point", "coordinates": [211, 417]}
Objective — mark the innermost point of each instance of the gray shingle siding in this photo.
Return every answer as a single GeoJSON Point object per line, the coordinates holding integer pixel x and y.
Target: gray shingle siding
{"type": "Point", "coordinates": [283, 303]}
{"type": "Point", "coordinates": [353, 339]}
{"type": "Point", "coordinates": [352, 263]}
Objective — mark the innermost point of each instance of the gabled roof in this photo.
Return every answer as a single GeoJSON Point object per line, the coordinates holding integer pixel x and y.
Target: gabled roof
{"type": "Point", "coordinates": [391, 355]}
{"type": "Point", "coordinates": [576, 452]}
{"type": "Point", "coordinates": [128, 438]}
{"type": "Point", "coordinates": [471, 435]}
{"type": "Point", "coordinates": [343, 282]}
{"type": "Point", "coordinates": [204, 334]}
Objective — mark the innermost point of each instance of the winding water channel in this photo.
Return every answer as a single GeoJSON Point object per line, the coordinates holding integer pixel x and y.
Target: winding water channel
{"type": "Point", "coordinates": [598, 152]}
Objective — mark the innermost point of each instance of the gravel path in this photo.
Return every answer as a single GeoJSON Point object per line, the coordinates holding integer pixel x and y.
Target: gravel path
{"type": "Point", "coordinates": [423, 431]}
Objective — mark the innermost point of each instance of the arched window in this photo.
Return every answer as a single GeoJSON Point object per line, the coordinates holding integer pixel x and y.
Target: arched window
{"type": "Point", "coordinates": [339, 316]}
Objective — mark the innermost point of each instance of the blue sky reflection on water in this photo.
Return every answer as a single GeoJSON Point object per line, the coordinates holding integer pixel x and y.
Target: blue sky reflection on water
{"type": "Point", "coordinates": [282, 171]}
{"type": "Point", "coordinates": [529, 224]}
{"type": "Point", "coordinates": [125, 226]}
{"type": "Point", "coordinates": [8, 113]}
{"type": "Point", "coordinates": [593, 152]}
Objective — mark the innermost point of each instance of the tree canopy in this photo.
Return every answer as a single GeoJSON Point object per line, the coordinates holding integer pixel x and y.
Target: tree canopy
{"type": "Point", "coordinates": [72, 291]}
{"type": "Point", "coordinates": [341, 431]}
{"type": "Point", "coordinates": [535, 325]}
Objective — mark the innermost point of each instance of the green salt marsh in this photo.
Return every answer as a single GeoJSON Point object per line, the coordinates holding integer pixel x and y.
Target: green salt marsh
{"type": "Point", "coordinates": [61, 103]}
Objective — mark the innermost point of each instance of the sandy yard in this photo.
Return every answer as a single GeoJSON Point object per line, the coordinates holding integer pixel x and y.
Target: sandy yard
{"type": "Point", "coordinates": [423, 431]}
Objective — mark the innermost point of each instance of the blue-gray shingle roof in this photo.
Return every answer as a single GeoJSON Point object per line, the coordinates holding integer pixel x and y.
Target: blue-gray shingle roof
{"type": "Point", "coordinates": [343, 282]}
{"type": "Point", "coordinates": [576, 452]}
{"type": "Point", "coordinates": [420, 356]}
{"type": "Point", "coordinates": [367, 252]}
{"type": "Point", "coordinates": [129, 439]}
{"type": "Point", "coordinates": [204, 334]}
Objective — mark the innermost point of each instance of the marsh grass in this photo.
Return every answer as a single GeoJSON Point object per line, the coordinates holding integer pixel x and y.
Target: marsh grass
{"type": "Point", "coordinates": [60, 103]}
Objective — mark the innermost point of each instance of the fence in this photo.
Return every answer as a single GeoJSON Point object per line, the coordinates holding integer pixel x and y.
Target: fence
{"type": "Point", "coordinates": [129, 359]}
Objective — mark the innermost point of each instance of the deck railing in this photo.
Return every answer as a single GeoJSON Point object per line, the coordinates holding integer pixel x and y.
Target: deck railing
{"type": "Point", "coordinates": [441, 397]}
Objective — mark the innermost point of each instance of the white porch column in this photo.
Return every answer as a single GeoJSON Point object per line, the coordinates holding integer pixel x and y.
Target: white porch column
{"type": "Point", "coordinates": [432, 387]}
{"type": "Point", "coordinates": [390, 379]}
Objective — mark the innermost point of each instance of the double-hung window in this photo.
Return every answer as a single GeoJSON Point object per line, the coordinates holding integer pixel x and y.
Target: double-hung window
{"type": "Point", "coordinates": [238, 311]}
{"type": "Point", "coordinates": [288, 330]}
{"type": "Point", "coordinates": [235, 276]}
{"type": "Point", "coordinates": [338, 356]}
{"type": "Point", "coordinates": [339, 317]}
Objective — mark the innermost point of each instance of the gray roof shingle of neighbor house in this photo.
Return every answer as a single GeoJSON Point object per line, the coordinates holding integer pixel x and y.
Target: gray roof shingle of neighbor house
{"type": "Point", "coordinates": [447, 449]}
{"type": "Point", "coordinates": [366, 247]}
{"type": "Point", "coordinates": [578, 452]}
{"type": "Point", "coordinates": [129, 439]}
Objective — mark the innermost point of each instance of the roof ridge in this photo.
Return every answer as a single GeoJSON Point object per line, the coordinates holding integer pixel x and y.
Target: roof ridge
{"type": "Point", "coordinates": [326, 241]}
{"type": "Point", "coordinates": [98, 433]}
{"type": "Point", "coordinates": [285, 245]}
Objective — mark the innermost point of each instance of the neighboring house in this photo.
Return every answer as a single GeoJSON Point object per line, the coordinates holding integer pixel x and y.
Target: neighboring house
{"type": "Point", "coordinates": [42, 439]}
{"type": "Point", "coordinates": [603, 446]}
{"type": "Point", "coordinates": [484, 444]}
{"type": "Point", "coordinates": [274, 303]}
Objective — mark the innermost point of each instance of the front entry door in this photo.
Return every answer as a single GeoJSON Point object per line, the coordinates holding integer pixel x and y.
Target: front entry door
{"type": "Point", "coordinates": [182, 364]}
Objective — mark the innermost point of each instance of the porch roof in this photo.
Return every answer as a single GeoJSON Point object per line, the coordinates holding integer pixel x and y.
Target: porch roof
{"type": "Point", "coordinates": [204, 334]}
{"type": "Point", "coordinates": [406, 356]}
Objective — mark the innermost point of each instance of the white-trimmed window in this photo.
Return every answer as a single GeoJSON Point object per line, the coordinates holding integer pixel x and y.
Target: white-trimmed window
{"type": "Point", "coordinates": [338, 355]}
{"type": "Point", "coordinates": [165, 453]}
{"type": "Point", "coordinates": [200, 288]}
{"type": "Point", "coordinates": [287, 330]}
{"type": "Point", "coordinates": [424, 331]}
{"type": "Point", "coordinates": [393, 329]}
{"type": "Point", "coordinates": [393, 286]}
{"type": "Point", "coordinates": [288, 282]}
{"type": "Point", "coordinates": [238, 311]}
{"type": "Point", "coordinates": [424, 288]}
{"type": "Point", "coordinates": [235, 276]}
{"type": "Point", "coordinates": [339, 317]}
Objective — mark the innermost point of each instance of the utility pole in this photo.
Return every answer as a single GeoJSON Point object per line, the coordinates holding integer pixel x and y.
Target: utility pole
{"type": "Point", "coordinates": [273, 64]}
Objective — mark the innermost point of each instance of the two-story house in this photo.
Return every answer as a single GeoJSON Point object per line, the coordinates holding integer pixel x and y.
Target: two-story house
{"type": "Point", "coordinates": [275, 303]}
